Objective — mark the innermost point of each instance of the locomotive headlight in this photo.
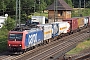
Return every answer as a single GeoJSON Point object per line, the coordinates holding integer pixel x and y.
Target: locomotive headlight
{"type": "Point", "coordinates": [20, 45]}
{"type": "Point", "coordinates": [9, 45]}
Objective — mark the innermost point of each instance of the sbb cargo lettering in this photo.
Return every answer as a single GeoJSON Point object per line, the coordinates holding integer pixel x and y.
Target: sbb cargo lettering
{"type": "Point", "coordinates": [32, 38]}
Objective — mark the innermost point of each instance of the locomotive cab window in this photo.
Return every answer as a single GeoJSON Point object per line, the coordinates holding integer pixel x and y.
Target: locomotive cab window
{"type": "Point", "coordinates": [17, 37]}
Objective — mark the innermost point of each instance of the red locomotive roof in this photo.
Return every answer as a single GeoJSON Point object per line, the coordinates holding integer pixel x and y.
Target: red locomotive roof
{"type": "Point", "coordinates": [15, 32]}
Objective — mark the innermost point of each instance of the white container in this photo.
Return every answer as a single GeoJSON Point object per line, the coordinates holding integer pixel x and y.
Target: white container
{"type": "Point", "coordinates": [47, 30]}
{"type": "Point", "coordinates": [1, 25]}
{"type": "Point", "coordinates": [40, 19]}
{"type": "Point", "coordinates": [2, 21]}
{"type": "Point", "coordinates": [86, 21]}
{"type": "Point", "coordinates": [63, 27]}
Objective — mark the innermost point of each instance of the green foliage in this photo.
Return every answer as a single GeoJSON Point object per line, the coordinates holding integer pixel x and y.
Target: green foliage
{"type": "Point", "coordinates": [43, 5]}
{"type": "Point", "coordinates": [24, 18]}
{"type": "Point", "coordinates": [9, 23]}
{"type": "Point", "coordinates": [41, 14]}
{"type": "Point", "coordinates": [3, 46]}
{"type": "Point", "coordinates": [3, 39]}
{"type": "Point", "coordinates": [3, 33]}
{"type": "Point", "coordinates": [80, 47]}
{"type": "Point", "coordinates": [88, 4]}
{"type": "Point", "coordinates": [48, 2]}
{"type": "Point", "coordinates": [11, 5]}
{"type": "Point", "coordinates": [88, 39]}
{"type": "Point", "coordinates": [76, 12]}
{"type": "Point", "coordinates": [25, 4]}
{"type": "Point", "coordinates": [69, 2]}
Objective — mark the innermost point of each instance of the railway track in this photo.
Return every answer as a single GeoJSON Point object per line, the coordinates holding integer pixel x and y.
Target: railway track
{"type": "Point", "coordinates": [7, 56]}
{"type": "Point", "coordinates": [46, 51]}
{"type": "Point", "coordinates": [49, 50]}
{"type": "Point", "coordinates": [83, 57]}
{"type": "Point", "coordinates": [60, 49]}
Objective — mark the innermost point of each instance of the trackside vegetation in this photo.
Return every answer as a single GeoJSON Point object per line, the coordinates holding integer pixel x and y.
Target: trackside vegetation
{"type": "Point", "coordinates": [80, 47]}
{"type": "Point", "coordinates": [3, 39]}
{"type": "Point", "coordinates": [9, 25]}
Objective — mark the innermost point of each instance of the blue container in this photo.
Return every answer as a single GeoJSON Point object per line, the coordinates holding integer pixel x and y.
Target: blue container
{"type": "Point", "coordinates": [34, 37]}
{"type": "Point", "coordinates": [55, 29]}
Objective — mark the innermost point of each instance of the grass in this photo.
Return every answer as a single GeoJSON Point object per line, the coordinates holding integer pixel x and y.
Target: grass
{"type": "Point", "coordinates": [42, 14]}
{"type": "Point", "coordinates": [80, 47]}
{"type": "Point", "coordinates": [76, 12]}
{"type": "Point", "coordinates": [39, 14]}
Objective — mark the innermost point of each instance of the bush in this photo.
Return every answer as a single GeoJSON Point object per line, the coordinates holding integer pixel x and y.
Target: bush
{"type": "Point", "coordinates": [3, 39]}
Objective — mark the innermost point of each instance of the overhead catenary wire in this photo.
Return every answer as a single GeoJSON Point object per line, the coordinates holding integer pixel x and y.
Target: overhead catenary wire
{"type": "Point", "coordinates": [18, 12]}
{"type": "Point", "coordinates": [55, 10]}
{"type": "Point", "coordinates": [79, 7]}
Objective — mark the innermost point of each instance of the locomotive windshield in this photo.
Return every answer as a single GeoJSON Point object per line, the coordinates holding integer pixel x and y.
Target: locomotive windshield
{"type": "Point", "coordinates": [17, 37]}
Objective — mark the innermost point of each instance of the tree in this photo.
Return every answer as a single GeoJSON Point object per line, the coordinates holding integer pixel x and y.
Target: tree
{"type": "Point", "coordinates": [9, 24]}
{"type": "Point", "coordinates": [48, 2]}
{"type": "Point", "coordinates": [41, 6]}
{"type": "Point", "coordinates": [4, 3]}
{"type": "Point", "coordinates": [69, 2]}
{"type": "Point", "coordinates": [26, 5]}
{"type": "Point", "coordinates": [88, 4]}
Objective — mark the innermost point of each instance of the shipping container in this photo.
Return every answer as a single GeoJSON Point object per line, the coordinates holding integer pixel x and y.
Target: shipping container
{"type": "Point", "coordinates": [34, 37]}
{"type": "Point", "coordinates": [55, 29]}
{"type": "Point", "coordinates": [89, 20]}
{"type": "Point", "coordinates": [47, 28]}
{"type": "Point", "coordinates": [73, 23]}
{"type": "Point", "coordinates": [80, 22]}
{"type": "Point", "coordinates": [2, 21]}
{"type": "Point", "coordinates": [86, 20]}
{"type": "Point", "coordinates": [38, 19]}
{"type": "Point", "coordinates": [63, 27]}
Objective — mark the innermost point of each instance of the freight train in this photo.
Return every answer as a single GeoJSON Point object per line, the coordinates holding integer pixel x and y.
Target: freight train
{"type": "Point", "coordinates": [21, 40]}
